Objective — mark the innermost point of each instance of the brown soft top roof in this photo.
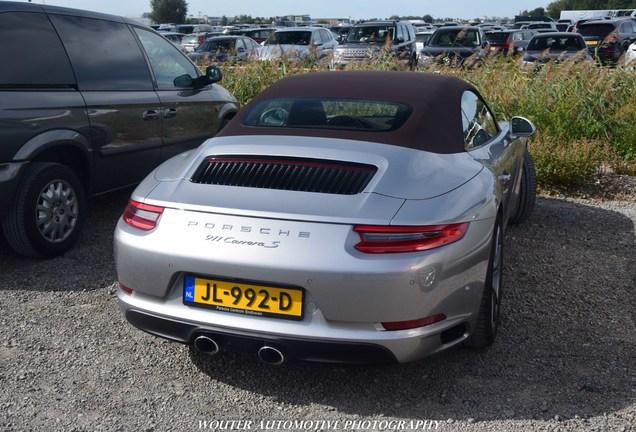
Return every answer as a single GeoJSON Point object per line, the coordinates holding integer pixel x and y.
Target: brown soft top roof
{"type": "Point", "coordinates": [435, 124]}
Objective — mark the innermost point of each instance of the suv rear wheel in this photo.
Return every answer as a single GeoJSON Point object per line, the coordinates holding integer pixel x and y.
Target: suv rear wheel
{"type": "Point", "coordinates": [47, 215]}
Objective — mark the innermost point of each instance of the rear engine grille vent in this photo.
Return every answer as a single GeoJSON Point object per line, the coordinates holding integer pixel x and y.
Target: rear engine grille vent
{"type": "Point", "coordinates": [305, 175]}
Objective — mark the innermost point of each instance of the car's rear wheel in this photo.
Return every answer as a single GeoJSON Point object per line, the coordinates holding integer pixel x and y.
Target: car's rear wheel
{"type": "Point", "coordinates": [47, 215]}
{"type": "Point", "coordinates": [527, 191]}
{"type": "Point", "coordinates": [487, 325]}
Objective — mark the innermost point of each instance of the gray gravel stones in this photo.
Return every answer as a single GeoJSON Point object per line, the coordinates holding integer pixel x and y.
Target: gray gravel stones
{"type": "Point", "coordinates": [564, 359]}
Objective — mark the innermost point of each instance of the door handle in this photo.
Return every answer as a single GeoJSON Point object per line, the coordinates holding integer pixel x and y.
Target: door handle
{"type": "Point", "coordinates": [151, 115]}
{"type": "Point", "coordinates": [169, 112]}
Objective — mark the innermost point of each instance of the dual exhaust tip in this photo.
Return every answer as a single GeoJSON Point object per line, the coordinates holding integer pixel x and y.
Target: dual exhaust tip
{"type": "Point", "coordinates": [268, 354]}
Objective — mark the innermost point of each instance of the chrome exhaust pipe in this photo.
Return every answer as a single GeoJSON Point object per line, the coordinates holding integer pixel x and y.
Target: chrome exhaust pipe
{"type": "Point", "coordinates": [206, 345]}
{"type": "Point", "coordinates": [271, 355]}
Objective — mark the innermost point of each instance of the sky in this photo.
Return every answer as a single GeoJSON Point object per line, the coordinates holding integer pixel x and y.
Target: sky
{"type": "Point", "coordinates": [354, 9]}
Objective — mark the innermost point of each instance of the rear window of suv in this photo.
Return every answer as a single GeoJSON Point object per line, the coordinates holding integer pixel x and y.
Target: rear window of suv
{"type": "Point", "coordinates": [601, 30]}
{"type": "Point", "coordinates": [28, 42]}
{"type": "Point", "coordinates": [497, 37]}
{"type": "Point", "coordinates": [190, 39]}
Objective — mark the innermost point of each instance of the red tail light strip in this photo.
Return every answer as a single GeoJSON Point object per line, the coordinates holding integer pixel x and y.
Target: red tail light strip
{"type": "Point", "coordinates": [142, 216]}
{"type": "Point", "coordinates": [396, 239]}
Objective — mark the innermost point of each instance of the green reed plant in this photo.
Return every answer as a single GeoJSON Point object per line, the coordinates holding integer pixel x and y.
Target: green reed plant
{"type": "Point", "coordinates": [585, 114]}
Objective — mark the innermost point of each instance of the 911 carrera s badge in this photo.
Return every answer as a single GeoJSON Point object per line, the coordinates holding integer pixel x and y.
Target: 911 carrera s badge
{"type": "Point", "coordinates": [239, 242]}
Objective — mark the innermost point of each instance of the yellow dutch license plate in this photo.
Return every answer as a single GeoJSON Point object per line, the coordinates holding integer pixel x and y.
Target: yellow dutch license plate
{"type": "Point", "coordinates": [243, 298]}
{"type": "Point", "coordinates": [591, 42]}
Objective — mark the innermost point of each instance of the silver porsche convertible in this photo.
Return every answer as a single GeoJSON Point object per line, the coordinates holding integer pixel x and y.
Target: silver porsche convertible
{"type": "Point", "coordinates": [353, 216]}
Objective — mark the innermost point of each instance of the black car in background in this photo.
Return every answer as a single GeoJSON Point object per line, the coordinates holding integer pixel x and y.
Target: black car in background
{"type": "Point", "coordinates": [607, 40]}
{"type": "Point", "coordinates": [557, 47]}
{"type": "Point", "coordinates": [78, 121]}
{"type": "Point", "coordinates": [226, 48]}
{"type": "Point", "coordinates": [509, 41]}
{"type": "Point", "coordinates": [454, 45]}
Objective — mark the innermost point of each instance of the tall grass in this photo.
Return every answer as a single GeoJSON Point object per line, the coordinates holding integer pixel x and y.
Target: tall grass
{"type": "Point", "coordinates": [585, 114]}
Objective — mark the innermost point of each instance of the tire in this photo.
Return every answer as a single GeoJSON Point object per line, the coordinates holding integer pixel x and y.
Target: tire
{"type": "Point", "coordinates": [47, 214]}
{"type": "Point", "coordinates": [527, 191]}
{"type": "Point", "coordinates": [487, 324]}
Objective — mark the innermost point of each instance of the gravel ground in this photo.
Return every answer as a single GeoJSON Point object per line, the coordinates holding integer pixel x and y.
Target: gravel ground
{"type": "Point", "coordinates": [564, 359]}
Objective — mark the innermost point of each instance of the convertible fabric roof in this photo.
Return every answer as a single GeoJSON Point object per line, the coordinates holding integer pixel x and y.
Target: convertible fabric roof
{"type": "Point", "coordinates": [435, 125]}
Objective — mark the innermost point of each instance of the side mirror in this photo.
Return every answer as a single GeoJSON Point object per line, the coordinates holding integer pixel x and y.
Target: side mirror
{"type": "Point", "coordinates": [213, 74]}
{"type": "Point", "coordinates": [521, 127]}
{"type": "Point", "coordinates": [183, 81]}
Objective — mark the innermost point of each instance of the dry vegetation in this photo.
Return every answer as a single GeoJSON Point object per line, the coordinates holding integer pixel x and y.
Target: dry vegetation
{"type": "Point", "coordinates": [585, 114]}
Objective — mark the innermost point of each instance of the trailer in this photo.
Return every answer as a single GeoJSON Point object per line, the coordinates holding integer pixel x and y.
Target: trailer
{"type": "Point", "coordinates": [573, 16]}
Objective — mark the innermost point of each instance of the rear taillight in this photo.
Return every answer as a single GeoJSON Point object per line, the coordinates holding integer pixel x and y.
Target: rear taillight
{"type": "Point", "coordinates": [422, 322]}
{"type": "Point", "coordinates": [142, 216]}
{"type": "Point", "coordinates": [395, 239]}
{"type": "Point", "coordinates": [201, 39]}
{"type": "Point", "coordinates": [125, 289]}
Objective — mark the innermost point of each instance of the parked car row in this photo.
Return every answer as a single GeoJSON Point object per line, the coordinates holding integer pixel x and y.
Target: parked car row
{"type": "Point", "coordinates": [363, 42]}
{"type": "Point", "coordinates": [606, 40]}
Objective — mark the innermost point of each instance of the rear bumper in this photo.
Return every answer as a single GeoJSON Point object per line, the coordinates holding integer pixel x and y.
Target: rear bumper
{"type": "Point", "coordinates": [347, 294]}
{"type": "Point", "coordinates": [327, 351]}
{"type": "Point", "coordinates": [299, 349]}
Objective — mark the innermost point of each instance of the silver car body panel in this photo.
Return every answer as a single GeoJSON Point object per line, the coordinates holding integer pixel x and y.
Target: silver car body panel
{"type": "Point", "coordinates": [306, 240]}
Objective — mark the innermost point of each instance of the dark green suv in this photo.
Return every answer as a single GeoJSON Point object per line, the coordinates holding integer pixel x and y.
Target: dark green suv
{"type": "Point", "coordinates": [89, 103]}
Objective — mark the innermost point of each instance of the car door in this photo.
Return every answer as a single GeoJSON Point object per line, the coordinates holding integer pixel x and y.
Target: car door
{"type": "Point", "coordinates": [240, 49]}
{"type": "Point", "coordinates": [329, 42]}
{"type": "Point", "coordinates": [406, 43]}
{"type": "Point", "coordinates": [627, 31]}
{"type": "Point", "coordinates": [489, 143]}
{"type": "Point", "coordinates": [189, 116]}
{"type": "Point", "coordinates": [123, 107]}
{"type": "Point", "coordinates": [251, 46]}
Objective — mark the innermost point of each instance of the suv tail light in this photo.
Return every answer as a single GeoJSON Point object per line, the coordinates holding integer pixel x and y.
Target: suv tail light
{"type": "Point", "coordinates": [142, 216]}
{"type": "Point", "coordinates": [395, 239]}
